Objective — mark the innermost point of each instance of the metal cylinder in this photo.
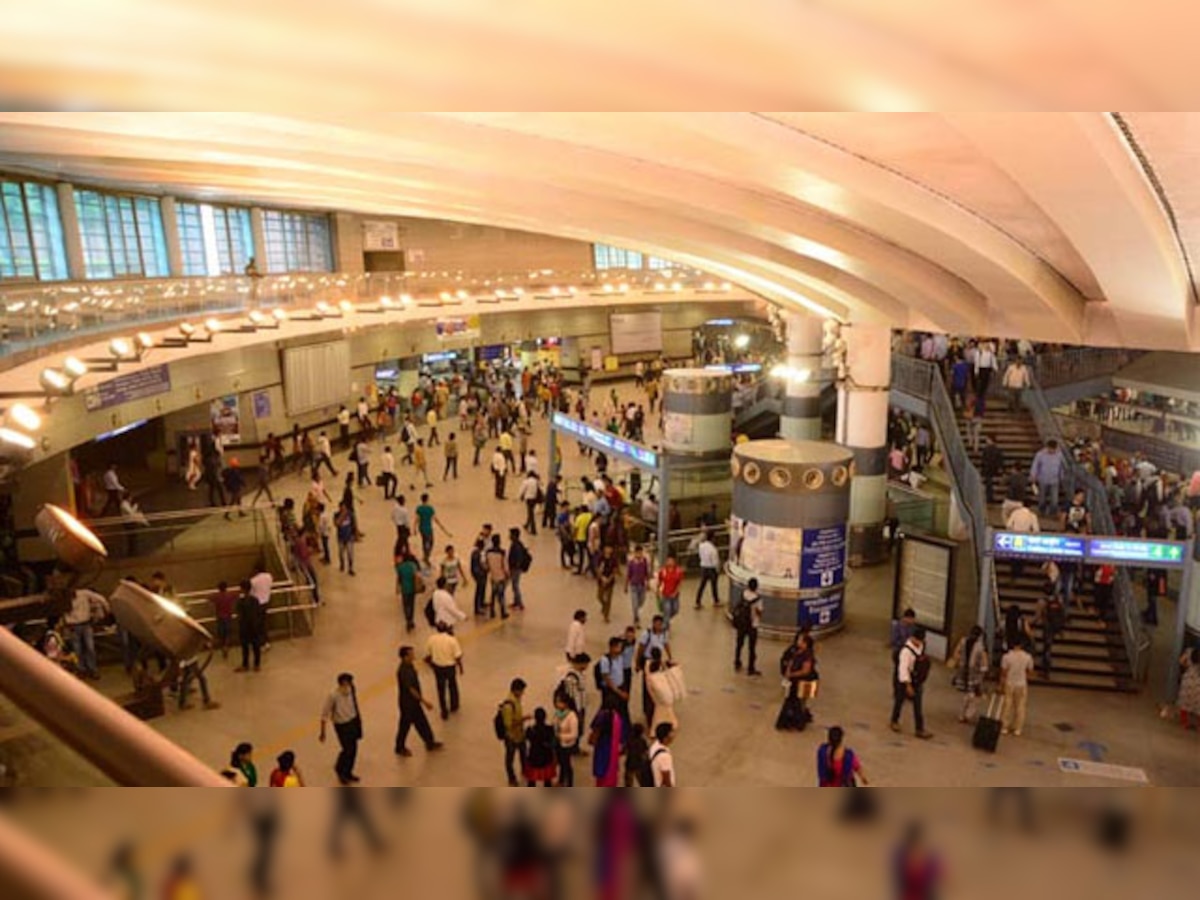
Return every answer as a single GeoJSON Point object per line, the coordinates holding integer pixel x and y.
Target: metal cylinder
{"type": "Point", "coordinates": [697, 412]}
{"type": "Point", "coordinates": [791, 502]}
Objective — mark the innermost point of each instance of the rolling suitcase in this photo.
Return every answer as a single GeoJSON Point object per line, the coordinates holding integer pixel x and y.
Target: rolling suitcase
{"type": "Point", "coordinates": [987, 729]}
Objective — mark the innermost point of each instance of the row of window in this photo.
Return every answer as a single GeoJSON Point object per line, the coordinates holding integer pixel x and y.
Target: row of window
{"type": "Point", "coordinates": [608, 257]}
{"type": "Point", "coordinates": [123, 236]}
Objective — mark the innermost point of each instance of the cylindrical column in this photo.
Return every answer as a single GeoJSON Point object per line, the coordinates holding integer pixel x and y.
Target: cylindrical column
{"type": "Point", "coordinates": [791, 501]}
{"type": "Point", "coordinates": [697, 412]}
{"type": "Point", "coordinates": [72, 238]}
{"type": "Point", "coordinates": [800, 419]}
{"type": "Point", "coordinates": [258, 232]}
{"type": "Point", "coordinates": [862, 426]}
{"type": "Point", "coordinates": [170, 221]}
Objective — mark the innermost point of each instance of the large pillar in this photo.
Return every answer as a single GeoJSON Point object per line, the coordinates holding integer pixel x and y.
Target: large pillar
{"type": "Point", "coordinates": [72, 238]}
{"type": "Point", "coordinates": [801, 416]}
{"type": "Point", "coordinates": [259, 232]}
{"type": "Point", "coordinates": [788, 529]}
{"type": "Point", "coordinates": [862, 426]}
{"type": "Point", "coordinates": [697, 412]}
{"type": "Point", "coordinates": [170, 221]}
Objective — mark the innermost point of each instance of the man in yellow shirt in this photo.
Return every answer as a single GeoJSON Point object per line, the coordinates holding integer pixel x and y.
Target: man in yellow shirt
{"type": "Point", "coordinates": [583, 518]}
{"type": "Point", "coordinates": [444, 654]}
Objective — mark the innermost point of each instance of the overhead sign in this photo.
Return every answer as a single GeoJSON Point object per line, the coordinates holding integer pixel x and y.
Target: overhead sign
{"type": "Point", "coordinates": [607, 441]}
{"type": "Point", "coordinates": [1106, 549]}
{"type": "Point", "coordinates": [822, 557]}
{"type": "Point", "coordinates": [458, 327]}
{"type": "Point", "coordinates": [1049, 546]}
{"type": "Point", "coordinates": [1158, 554]}
{"type": "Point", "coordinates": [1102, 770]}
{"type": "Point", "coordinates": [138, 385]}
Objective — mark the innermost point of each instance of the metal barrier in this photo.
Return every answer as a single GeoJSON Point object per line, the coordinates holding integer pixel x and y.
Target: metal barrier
{"type": "Point", "coordinates": [1133, 633]}
{"type": "Point", "coordinates": [681, 544]}
{"type": "Point", "coordinates": [1074, 364]}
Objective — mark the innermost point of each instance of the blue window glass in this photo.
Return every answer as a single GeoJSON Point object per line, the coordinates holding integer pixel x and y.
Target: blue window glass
{"type": "Point", "coordinates": [297, 242]}
{"type": "Point", "coordinates": [122, 236]}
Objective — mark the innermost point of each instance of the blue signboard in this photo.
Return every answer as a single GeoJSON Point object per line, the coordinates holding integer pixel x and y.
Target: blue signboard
{"type": "Point", "coordinates": [261, 401]}
{"type": "Point", "coordinates": [1048, 546]}
{"type": "Point", "coordinates": [822, 557]}
{"type": "Point", "coordinates": [127, 388]}
{"type": "Point", "coordinates": [822, 613]}
{"type": "Point", "coordinates": [1157, 554]}
{"type": "Point", "coordinates": [607, 441]}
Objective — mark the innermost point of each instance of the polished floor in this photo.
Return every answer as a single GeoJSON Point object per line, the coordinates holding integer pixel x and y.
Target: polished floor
{"type": "Point", "coordinates": [726, 737]}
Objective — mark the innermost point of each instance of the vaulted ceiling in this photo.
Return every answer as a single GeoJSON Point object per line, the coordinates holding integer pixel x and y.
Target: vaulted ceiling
{"type": "Point", "coordinates": [1070, 226]}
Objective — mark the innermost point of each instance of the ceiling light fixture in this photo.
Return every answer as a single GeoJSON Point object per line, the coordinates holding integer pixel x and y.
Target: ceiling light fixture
{"type": "Point", "coordinates": [25, 417]}
{"type": "Point", "coordinates": [74, 367]}
{"type": "Point", "coordinates": [21, 441]}
{"type": "Point", "coordinates": [54, 382]}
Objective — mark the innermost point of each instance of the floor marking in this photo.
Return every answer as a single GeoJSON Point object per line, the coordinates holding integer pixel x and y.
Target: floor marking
{"type": "Point", "coordinates": [1102, 770]}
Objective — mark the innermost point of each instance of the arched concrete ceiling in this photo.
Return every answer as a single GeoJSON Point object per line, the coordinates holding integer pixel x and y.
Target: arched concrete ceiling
{"type": "Point", "coordinates": [1052, 225]}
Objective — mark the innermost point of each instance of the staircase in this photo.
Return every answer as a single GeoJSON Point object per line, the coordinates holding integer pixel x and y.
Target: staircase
{"type": "Point", "coordinates": [1089, 654]}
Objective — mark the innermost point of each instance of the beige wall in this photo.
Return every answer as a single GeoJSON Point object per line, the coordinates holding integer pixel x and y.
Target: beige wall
{"type": "Point", "coordinates": [431, 245]}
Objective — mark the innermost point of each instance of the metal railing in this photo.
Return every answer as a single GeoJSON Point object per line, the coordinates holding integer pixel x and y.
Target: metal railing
{"type": "Point", "coordinates": [1074, 364]}
{"type": "Point", "coordinates": [923, 380]}
{"type": "Point", "coordinates": [35, 316]}
{"type": "Point", "coordinates": [1133, 633]}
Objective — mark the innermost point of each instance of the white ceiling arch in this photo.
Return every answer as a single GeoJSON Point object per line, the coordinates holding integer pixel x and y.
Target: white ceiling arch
{"type": "Point", "coordinates": [1002, 223]}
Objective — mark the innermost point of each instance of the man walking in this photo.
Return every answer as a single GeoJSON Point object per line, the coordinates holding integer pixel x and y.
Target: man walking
{"type": "Point", "coordinates": [387, 473]}
{"type": "Point", "coordinates": [451, 452]}
{"type": "Point", "coordinates": [1015, 667]}
{"type": "Point", "coordinates": [710, 567]}
{"type": "Point", "coordinates": [412, 706]}
{"type": "Point", "coordinates": [250, 627]}
{"type": "Point", "coordinates": [1021, 520]}
{"type": "Point", "coordinates": [519, 561]}
{"type": "Point", "coordinates": [499, 472]}
{"type": "Point", "coordinates": [444, 655]}
{"type": "Point", "coordinates": [114, 491]}
{"type": "Point", "coordinates": [608, 567]}
{"type": "Point", "coordinates": [341, 708]}
{"type": "Point", "coordinates": [662, 763]}
{"type": "Point", "coordinates": [426, 519]}
{"type": "Point", "coordinates": [1046, 472]}
{"type": "Point", "coordinates": [747, 616]}
{"type": "Point", "coordinates": [513, 718]}
{"type": "Point", "coordinates": [637, 579]}
{"type": "Point", "coordinates": [670, 577]}
{"type": "Point", "coordinates": [1016, 381]}
{"type": "Point", "coordinates": [908, 682]}
{"type": "Point", "coordinates": [992, 466]}
{"type": "Point", "coordinates": [530, 494]}
{"type": "Point", "coordinates": [86, 607]}
{"type": "Point", "coordinates": [576, 635]}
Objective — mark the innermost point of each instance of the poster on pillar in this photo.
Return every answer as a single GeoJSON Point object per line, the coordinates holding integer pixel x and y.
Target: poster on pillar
{"type": "Point", "coordinates": [823, 557]}
{"type": "Point", "coordinates": [678, 430]}
{"type": "Point", "coordinates": [227, 419]}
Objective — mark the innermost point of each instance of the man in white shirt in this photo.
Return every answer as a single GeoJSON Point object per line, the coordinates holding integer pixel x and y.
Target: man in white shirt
{"type": "Point", "coordinates": [114, 489]}
{"type": "Point", "coordinates": [531, 487]}
{"type": "Point", "coordinates": [908, 684]}
{"type": "Point", "coordinates": [662, 763]}
{"type": "Point", "coordinates": [576, 635]}
{"type": "Point", "coordinates": [985, 365]}
{"type": "Point", "coordinates": [710, 567]}
{"type": "Point", "coordinates": [444, 654]}
{"type": "Point", "coordinates": [499, 471]}
{"type": "Point", "coordinates": [1015, 667]}
{"type": "Point", "coordinates": [1016, 380]}
{"type": "Point", "coordinates": [445, 610]}
{"type": "Point", "coordinates": [343, 420]}
{"type": "Point", "coordinates": [86, 607]}
{"type": "Point", "coordinates": [401, 518]}
{"type": "Point", "coordinates": [1022, 520]}
{"type": "Point", "coordinates": [324, 454]}
{"type": "Point", "coordinates": [387, 471]}
{"type": "Point", "coordinates": [649, 508]}
{"type": "Point", "coordinates": [531, 462]}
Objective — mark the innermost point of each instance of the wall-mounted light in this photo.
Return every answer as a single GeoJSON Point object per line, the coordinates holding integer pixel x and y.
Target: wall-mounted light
{"type": "Point", "coordinates": [324, 310]}
{"type": "Point", "coordinates": [279, 315]}
{"type": "Point", "coordinates": [346, 307]}
{"type": "Point", "coordinates": [16, 440]}
{"type": "Point", "coordinates": [74, 367]}
{"type": "Point", "coordinates": [386, 302]}
{"type": "Point", "coordinates": [145, 343]}
{"type": "Point", "coordinates": [187, 329]}
{"type": "Point", "coordinates": [54, 382]}
{"type": "Point", "coordinates": [406, 299]}
{"type": "Point", "coordinates": [212, 326]}
{"type": "Point", "coordinates": [742, 341]}
{"type": "Point", "coordinates": [120, 349]}
{"type": "Point", "coordinates": [24, 417]}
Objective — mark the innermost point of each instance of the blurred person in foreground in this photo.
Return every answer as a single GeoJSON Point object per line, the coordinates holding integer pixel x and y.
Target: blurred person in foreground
{"type": "Point", "coordinates": [916, 870]}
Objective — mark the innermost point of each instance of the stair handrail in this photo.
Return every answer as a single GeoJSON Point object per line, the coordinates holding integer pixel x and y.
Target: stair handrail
{"type": "Point", "coordinates": [924, 380]}
{"type": "Point", "coordinates": [1133, 633]}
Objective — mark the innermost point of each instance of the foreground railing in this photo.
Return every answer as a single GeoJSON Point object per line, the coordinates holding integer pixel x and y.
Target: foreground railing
{"type": "Point", "coordinates": [1133, 633]}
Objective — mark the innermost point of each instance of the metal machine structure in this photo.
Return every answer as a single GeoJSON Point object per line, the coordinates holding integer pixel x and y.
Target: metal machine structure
{"type": "Point", "coordinates": [118, 744]}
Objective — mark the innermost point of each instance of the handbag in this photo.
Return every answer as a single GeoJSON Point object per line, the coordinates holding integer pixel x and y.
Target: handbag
{"type": "Point", "coordinates": [809, 689]}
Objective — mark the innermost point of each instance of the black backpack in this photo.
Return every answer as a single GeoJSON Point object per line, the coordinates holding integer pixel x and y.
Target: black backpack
{"type": "Point", "coordinates": [599, 676]}
{"type": "Point", "coordinates": [1056, 614]}
{"type": "Point", "coordinates": [498, 722]}
{"type": "Point", "coordinates": [785, 661]}
{"type": "Point", "coordinates": [743, 616]}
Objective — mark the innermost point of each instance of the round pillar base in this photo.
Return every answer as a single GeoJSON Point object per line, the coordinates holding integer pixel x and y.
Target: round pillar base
{"type": "Point", "coordinates": [786, 612]}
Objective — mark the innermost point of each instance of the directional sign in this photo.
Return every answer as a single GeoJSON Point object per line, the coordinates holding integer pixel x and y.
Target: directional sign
{"type": "Point", "coordinates": [1157, 554]}
{"type": "Point", "coordinates": [607, 441]}
{"type": "Point", "coordinates": [823, 557]}
{"type": "Point", "coordinates": [1048, 546]}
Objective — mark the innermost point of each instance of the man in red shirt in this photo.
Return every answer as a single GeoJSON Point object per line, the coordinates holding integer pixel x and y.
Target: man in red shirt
{"type": "Point", "coordinates": [670, 577]}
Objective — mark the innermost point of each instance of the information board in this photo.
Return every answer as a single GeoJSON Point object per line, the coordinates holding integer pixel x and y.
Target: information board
{"type": "Point", "coordinates": [1048, 546]}
{"type": "Point", "coordinates": [148, 382]}
{"type": "Point", "coordinates": [1157, 554]}
{"type": "Point", "coordinates": [924, 580]}
{"type": "Point", "coordinates": [607, 441]}
{"type": "Point", "coordinates": [639, 332]}
{"type": "Point", "coordinates": [381, 236]}
{"type": "Point", "coordinates": [458, 327]}
{"type": "Point", "coordinates": [770, 552]}
{"type": "Point", "coordinates": [823, 557]}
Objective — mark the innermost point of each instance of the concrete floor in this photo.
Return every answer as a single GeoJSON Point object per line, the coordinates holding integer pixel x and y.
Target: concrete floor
{"type": "Point", "coordinates": [727, 736]}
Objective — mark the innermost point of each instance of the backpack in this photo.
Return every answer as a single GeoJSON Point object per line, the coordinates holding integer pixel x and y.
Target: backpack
{"type": "Point", "coordinates": [922, 665]}
{"type": "Point", "coordinates": [498, 722]}
{"type": "Point", "coordinates": [599, 676]}
{"type": "Point", "coordinates": [527, 561]}
{"type": "Point", "coordinates": [785, 661]}
{"type": "Point", "coordinates": [743, 618]}
{"type": "Point", "coordinates": [430, 615]}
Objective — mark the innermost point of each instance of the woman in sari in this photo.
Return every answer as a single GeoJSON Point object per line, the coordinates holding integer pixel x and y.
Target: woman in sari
{"type": "Point", "coordinates": [606, 738]}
